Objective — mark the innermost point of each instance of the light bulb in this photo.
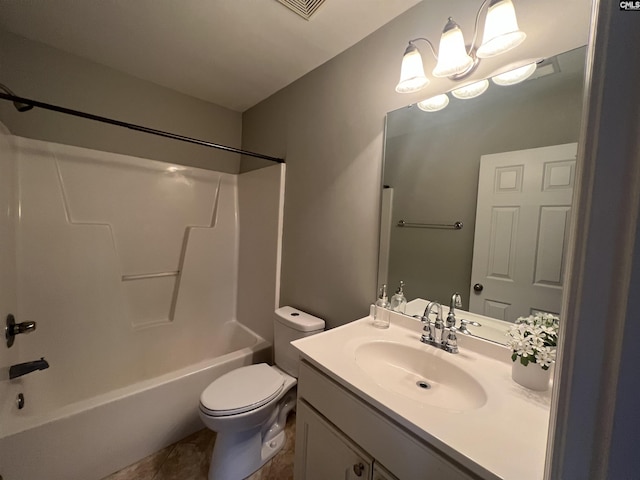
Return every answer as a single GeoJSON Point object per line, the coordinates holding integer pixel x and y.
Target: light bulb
{"type": "Point", "coordinates": [434, 104]}
{"type": "Point", "coordinates": [412, 77]}
{"type": "Point", "coordinates": [501, 32]}
{"type": "Point", "coordinates": [515, 76]}
{"type": "Point", "coordinates": [471, 91]}
{"type": "Point", "coordinates": [452, 53]}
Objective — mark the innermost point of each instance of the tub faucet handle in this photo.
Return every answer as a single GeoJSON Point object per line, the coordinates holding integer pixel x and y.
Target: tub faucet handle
{"type": "Point", "coordinates": [24, 327]}
{"type": "Point", "coordinates": [12, 329]}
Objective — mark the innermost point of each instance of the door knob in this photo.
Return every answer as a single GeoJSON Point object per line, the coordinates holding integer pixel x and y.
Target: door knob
{"type": "Point", "coordinates": [478, 287]}
{"type": "Point", "coordinates": [358, 468]}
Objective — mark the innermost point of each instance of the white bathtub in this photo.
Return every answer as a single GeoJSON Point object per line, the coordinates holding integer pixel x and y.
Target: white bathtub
{"type": "Point", "coordinates": [94, 437]}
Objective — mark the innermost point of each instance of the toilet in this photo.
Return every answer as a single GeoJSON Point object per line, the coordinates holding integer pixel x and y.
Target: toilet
{"type": "Point", "coordinates": [248, 406]}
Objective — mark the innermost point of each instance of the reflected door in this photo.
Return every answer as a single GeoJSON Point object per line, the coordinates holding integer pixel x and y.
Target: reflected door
{"type": "Point", "coordinates": [522, 224]}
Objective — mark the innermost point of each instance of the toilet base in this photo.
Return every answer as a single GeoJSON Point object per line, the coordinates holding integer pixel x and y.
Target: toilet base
{"type": "Point", "coordinates": [236, 455]}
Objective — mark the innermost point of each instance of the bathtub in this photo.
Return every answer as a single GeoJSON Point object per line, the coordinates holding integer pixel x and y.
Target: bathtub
{"type": "Point", "coordinates": [97, 436]}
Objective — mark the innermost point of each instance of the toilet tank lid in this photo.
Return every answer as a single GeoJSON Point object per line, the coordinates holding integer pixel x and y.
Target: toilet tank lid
{"type": "Point", "coordinates": [299, 320]}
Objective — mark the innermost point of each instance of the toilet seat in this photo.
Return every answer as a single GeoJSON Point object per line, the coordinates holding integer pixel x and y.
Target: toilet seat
{"type": "Point", "coordinates": [241, 390]}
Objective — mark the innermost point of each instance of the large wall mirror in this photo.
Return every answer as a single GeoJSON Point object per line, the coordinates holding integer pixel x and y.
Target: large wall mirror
{"type": "Point", "coordinates": [503, 165]}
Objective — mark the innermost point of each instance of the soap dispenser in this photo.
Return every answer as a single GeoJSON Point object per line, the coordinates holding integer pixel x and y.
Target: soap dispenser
{"type": "Point", "coordinates": [398, 301]}
{"type": "Point", "coordinates": [381, 315]}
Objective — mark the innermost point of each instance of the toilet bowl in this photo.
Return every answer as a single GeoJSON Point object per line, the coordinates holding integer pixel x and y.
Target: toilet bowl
{"type": "Point", "coordinates": [248, 407]}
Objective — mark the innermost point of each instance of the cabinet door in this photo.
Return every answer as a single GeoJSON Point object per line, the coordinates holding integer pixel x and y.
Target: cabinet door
{"type": "Point", "coordinates": [381, 473]}
{"type": "Point", "coordinates": [323, 453]}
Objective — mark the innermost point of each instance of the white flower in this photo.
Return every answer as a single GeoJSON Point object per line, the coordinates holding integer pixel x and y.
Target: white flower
{"type": "Point", "coordinates": [534, 338]}
{"type": "Point", "coordinates": [546, 356]}
{"type": "Point", "coordinates": [524, 349]}
{"type": "Point", "coordinates": [549, 329]}
{"type": "Point", "coordinates": [535, 330]}
{"type": "Point", "coordinates": [512, 343]}
{"type": "Point", "coordinates": [516, 335]}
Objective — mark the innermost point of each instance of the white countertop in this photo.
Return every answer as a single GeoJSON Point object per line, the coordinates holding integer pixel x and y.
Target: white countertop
{"type": "Point", "coordinates": [504, 438]}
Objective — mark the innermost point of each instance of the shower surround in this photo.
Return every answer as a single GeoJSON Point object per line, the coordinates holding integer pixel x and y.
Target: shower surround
{"type": "Point", "coordinates": [130, 267]}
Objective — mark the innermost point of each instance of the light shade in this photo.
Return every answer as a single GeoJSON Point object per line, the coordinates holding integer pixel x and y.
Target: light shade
{"type": "Point", "coordinates": [453, 58]}
{"type": "Point", "coordinates": [501, 32]}
{"type": "Point", "coordinates": [412, 76]}
{"type": "Point", "coordinates": [471, 91]}
{"type": "Point", "coordinates": [515, 76]}
{"type": "Point", "coordinates": [434, 104]}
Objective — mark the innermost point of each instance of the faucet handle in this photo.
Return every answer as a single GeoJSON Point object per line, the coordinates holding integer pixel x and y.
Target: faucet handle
{"type": "Point", "coordinates": [23, 327]}
{"type": "Point", "coordinates": [12, 329]}
{"type": "Point", "coordinates": [451, 344]}
{"type": "Point", "coordinates": [451, 319]}
{"type": "Point", "coordinates": [463, 325]}
{"type": "Point", "coordinates": [426, 335]}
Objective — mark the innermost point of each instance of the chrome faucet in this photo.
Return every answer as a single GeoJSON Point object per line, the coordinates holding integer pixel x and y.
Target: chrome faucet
{"type": "Point", "coordinates": [21, 369]}
{"type": "Point", "coordinates": [436, 333]}
{"type": "Point", "coordinates": [456, 302]}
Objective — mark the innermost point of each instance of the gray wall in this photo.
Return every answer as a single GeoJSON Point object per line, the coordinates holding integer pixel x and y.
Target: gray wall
{"type": "Point", "coordinates": [432, 161]}
{"type": "Point", "coordinates": [329, 125]}
{"type": "Point", "coordinates": [36, 71]}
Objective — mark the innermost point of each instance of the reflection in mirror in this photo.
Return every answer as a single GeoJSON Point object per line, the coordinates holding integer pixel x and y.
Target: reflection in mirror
{"type": "Point", "coordinates": [514, 208]}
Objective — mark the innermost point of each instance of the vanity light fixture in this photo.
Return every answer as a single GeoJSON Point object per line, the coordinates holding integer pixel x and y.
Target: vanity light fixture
{"type": "Point", "coordinates": [517, 75]}
{"type": "Point", "coordinates": [412, 77]}
{"type": "Point", "coordinates": [454, 60]}
{"type": "Point", "coordinates": [434, 104]}
{"type": "Point", "coordinates": [472, 90]}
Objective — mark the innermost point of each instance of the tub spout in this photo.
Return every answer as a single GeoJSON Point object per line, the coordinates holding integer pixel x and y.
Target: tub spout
{"type": "Point", "coordinates": [21, 369]}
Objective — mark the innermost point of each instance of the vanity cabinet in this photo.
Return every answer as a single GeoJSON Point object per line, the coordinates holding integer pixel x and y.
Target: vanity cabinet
{"type": "Point", "coordinates": [327, 454]}
{"type": "Point", "coordinates": [339, 436]}
{"type": "Point", "coordinates": [324, 452]}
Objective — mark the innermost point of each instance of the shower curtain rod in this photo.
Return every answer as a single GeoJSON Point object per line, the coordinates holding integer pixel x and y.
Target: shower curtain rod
{"type": "Point", "coordinates": [138, 128]}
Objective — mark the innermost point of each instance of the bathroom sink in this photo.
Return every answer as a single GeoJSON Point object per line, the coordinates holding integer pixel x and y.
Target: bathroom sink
{"type": "Point", "coordinates": [422, 374]}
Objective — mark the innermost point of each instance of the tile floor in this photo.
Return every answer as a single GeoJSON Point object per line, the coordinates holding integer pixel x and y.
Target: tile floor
{"type": "Point", "coordinates": [189, 459]}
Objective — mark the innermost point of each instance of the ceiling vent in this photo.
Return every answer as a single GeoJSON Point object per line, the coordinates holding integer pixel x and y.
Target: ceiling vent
{"type": "Point", "coordinates": [304, 8]}
{"type": "Point", "coordinates": [548, 66]}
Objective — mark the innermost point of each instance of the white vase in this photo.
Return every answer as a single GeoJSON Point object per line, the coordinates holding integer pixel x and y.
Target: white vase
{"type": "Point", "coordinates": [532, 376]}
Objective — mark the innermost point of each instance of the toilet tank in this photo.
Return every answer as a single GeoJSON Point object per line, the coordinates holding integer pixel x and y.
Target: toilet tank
{"type": "Point", "coordinates": [291, 324]}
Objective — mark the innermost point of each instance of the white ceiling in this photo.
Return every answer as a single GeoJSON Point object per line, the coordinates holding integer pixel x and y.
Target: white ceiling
{"type": "Point", "coordinates": [233, 53]}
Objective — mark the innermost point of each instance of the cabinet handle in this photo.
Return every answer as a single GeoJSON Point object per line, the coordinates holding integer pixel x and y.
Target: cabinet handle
{"type": "Point", "coordinates": [358, 468]}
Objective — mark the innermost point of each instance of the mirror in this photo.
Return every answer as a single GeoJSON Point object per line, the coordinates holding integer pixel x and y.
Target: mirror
{"type": "Point", "coordinates": [431, 176]}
